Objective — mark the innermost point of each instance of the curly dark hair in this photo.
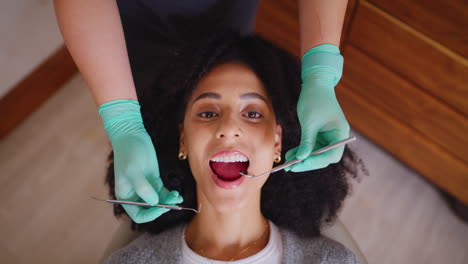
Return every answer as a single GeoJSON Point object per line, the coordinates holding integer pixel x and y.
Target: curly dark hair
{"type": "Point", "coordinates": [299, 202]}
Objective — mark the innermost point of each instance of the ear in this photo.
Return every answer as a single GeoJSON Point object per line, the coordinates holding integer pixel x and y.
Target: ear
{"type": "Point", "coordinates": [278, 138]}
{"type": "Point", "coordinates": [181, 139]}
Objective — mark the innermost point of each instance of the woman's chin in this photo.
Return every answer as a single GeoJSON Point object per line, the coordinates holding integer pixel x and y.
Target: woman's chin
{"type": "Point", "coordinates": [227, 203]}
{"type": "Point", "coordinates": [226, 195]}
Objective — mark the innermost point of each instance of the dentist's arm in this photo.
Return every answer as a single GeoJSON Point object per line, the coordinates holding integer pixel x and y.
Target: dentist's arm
{"type": "Point", "coordinates": [322, 120]}
{"type": "Point", "coordinates": [321, 22]}
{"type": "Point", "coordinates": [93, 33]}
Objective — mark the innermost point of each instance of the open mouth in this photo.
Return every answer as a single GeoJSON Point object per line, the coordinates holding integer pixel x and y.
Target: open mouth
{"type": "Point", "coordinates": [227, 167]}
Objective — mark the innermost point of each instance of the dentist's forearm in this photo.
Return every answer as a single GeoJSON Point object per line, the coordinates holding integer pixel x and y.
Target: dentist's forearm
{"type": "Point", "coordinates": [93, 34]}
{"type": "Point", "coordinates": [321, 22]}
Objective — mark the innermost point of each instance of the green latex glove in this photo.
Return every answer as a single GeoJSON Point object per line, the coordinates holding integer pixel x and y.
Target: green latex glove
{"type": "Point", "coordinates": [322, 121]}
{"type": "Point", "coordinates": [135, 163]}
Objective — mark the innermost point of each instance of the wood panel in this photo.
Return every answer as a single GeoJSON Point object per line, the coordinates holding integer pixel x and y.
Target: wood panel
{"type": "Point", "coordinates": [444, 21]}
{"type": "Point", "coordinates": [401, 99]}
{"type": "Point", "coordinates": [404, 51]}
{"type": "Point", "coordinates": [405, 143]}
{"type": "Point", "coordinates": [349, 19]}
{"type": "Point", "coordinates": [35, 89]}
{"type": "Point", "coordinates": [279, 23]}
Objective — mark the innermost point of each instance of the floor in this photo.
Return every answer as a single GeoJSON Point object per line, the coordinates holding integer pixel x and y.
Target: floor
{"type": "Point", "coordinates": [55, 160]}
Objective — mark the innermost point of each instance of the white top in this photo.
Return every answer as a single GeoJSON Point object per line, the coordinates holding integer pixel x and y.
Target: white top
{"type": "Point", "coordinates": [271, 254]}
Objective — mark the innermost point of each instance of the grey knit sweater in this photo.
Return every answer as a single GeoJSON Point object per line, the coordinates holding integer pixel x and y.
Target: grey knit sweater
{"type": "Point", "coordinates": [166, 248]}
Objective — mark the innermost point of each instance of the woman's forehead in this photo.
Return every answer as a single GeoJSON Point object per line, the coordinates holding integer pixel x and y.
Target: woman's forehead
{"type": "Point", "coordinates": [228, 80]}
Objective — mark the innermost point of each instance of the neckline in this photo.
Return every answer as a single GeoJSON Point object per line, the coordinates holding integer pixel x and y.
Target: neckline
{"type": "Point", "coordinates": [271, 246]}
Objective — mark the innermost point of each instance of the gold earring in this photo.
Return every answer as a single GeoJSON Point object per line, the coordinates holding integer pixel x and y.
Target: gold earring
{"type": "Point", "coordinates": [277, 158]}
{"type": "Point", "coordinates": [182, 156]}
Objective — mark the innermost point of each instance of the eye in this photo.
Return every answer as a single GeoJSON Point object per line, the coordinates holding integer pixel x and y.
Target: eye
{"type": "Point", "coordinates": [253, 114]}
{"type": "Point", "coordinates": [207, 114]}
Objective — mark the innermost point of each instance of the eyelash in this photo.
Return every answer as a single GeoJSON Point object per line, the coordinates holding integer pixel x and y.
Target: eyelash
{"type": "Point", "coordinates": [213, 114]}
{"type": "Point", "coordinates": [256, 113]}
{"type": "Point", "coordinates": [204, 113]}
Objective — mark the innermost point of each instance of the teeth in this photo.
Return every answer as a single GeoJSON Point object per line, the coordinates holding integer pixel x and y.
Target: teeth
{"type": "Point", "coordinates": [230, 158]}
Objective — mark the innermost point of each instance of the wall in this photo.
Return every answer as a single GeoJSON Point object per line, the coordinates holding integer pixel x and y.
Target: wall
{"type": "Point", "coordinates": [29, 35]}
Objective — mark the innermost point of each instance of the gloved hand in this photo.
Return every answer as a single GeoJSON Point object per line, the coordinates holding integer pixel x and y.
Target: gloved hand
{"type": "Point", "coordinates": [135, 163]}
{"type": "Point", "coordinates": [322, 121]}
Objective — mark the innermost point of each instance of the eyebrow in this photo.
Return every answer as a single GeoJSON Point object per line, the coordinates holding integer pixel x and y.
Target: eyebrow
{"type": "Point", "coordinates": [207, 95]}
{"type": "Point", "coordinates": [253, 96]}
{"type": "Point", "coordinates": [218, 96]}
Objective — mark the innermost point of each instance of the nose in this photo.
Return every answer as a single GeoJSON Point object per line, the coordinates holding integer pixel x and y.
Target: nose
{"type": "Point", "coordinates": [228, 128]}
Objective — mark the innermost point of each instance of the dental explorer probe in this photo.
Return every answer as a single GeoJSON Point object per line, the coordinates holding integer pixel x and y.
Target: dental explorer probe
{"type": "Point", "coordinates": [287, 164]}
{"type": "Point", "coordinates": [148, 205]}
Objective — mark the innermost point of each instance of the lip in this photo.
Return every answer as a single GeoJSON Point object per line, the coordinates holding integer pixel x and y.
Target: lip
{"type": "Point", "coordinates": [227, 184]}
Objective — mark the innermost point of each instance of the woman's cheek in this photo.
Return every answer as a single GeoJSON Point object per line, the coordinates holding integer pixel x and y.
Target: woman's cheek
{"type": "Point", "coordinates": [266, 136]}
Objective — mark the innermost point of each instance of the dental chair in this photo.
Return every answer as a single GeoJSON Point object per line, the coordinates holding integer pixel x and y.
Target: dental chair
{"type": "Point", "coordinates": [338, 232]}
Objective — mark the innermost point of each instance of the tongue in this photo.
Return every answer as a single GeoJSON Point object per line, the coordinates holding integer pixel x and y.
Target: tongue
{"type": "Point", "coordinates": [228, 171]}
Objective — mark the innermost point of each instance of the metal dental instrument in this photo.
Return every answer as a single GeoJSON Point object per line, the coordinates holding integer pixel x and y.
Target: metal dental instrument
{"type": "Point", "coordinates": [287, 164]}
{"type": "Point", "coordinates": [148, 205]}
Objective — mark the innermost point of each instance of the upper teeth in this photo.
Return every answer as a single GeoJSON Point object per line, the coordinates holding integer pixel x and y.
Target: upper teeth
{"type": "Point", "coordinates": [230, 158]}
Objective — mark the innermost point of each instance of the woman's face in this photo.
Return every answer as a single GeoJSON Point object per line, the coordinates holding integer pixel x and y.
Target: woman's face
{"type": "Point", "coordinates": [229, 126]}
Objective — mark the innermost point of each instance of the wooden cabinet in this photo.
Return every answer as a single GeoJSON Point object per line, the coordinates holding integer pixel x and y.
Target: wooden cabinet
{"type": "Point", "coordinates": [405, 79]}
